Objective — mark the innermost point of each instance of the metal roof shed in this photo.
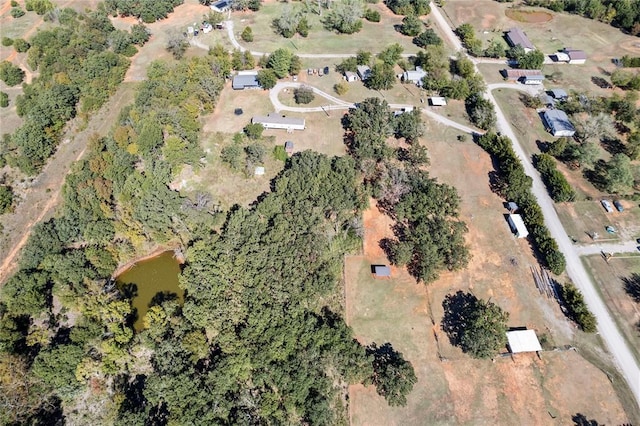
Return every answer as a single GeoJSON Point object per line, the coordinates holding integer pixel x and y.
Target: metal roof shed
{"type": "Point", "coordinates": [437, 101]}
{"type": "Point", "coordinates": [523, 341]}
{"type": "Point", "coordinates": [381, 271]}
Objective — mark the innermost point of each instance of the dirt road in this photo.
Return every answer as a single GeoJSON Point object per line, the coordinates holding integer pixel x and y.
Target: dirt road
{"type": "Point", "coordinates": [575, 269]}
{"type": "Point", "coordinates": [43, 194]}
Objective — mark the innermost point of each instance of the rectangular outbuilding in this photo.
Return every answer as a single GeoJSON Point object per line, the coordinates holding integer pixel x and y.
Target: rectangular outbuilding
{"type": "Point", "coordinates": [533, 79]}
{"type": "Point", "coordinates": [517, 74]}
{"type": "Point", "coordinates": [414, 77]}
{"type": "Point", "coordinates": [517, 225]}
{"type": "Point", "coordinates": [363, 72]}
{"type": "Point", "coordinates": [381, 271]}
{"type": "Point", "coordinates": [437, 101]}
{"type": "Point", "coordinates": [276, 121]}
{"type": "Point", "coordinates": [523, 341]}
{"type": "Point", "coordinates": [350, 76]}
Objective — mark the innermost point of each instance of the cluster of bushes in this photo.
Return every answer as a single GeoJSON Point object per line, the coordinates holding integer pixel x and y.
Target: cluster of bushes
{"type": "Point", "coordinates": [630, 61]}
{"type": "Point", "coordinates": [147, 10]}
{"type": "Point", "coordinates": [10, 74]}
{"type": "Point", "coordinates": [345, 16]}
{"type": "Point", "coordinates": [513, 184]}
{"type": "Point", "coordinates": [481, 111]}
{"type": "Point", "coordinates": [577, 309]}
{"type": "Point", "coordinates": [626, 79]}
{"type": "Point", "coordinates": [290, 22]}
{"type": "Point", "coordinates": [557, 185]}
{"type": "Point", "coordinates": [39, 6]}
{"type": "Point", "coordinates": [469, 40]}
{"type": "Point", "coordinates": [409, 7]}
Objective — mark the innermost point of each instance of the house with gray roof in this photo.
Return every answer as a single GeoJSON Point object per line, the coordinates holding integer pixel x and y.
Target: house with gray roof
{"type": "Point", "coordinates": [364, 72]}
{"type": "Point", "coordinates": [558, 124]}
{"type": "Point", "coordinates": [516, 37]}
{"type": "Point", "coordinates": [245, 81]}
{"type": "Point", "coordinates": [414, 76]}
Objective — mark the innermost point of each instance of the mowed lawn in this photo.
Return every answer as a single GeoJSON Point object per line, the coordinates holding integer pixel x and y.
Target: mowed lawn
{"type": "Point", "coordinates": [373, 36]}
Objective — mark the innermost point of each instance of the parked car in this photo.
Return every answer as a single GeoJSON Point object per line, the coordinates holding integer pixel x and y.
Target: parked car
{"type": "Point", "coordinates": [618, 205]}
{"type": "Point", "coordinates": [607, 205]}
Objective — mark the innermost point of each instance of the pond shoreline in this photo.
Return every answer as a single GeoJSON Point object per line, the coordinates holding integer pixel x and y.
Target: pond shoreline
{"type": "Point", "coordinates": [155, 253]}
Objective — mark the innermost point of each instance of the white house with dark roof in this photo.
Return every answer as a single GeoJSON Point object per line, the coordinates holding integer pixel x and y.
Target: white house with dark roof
{"type": "Point", "coordinates": [276, 121]}
{"type": "Point", "coordinates": [516, 37]}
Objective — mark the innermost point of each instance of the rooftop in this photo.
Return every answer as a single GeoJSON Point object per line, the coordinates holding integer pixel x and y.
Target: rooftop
{"type": "Point", "coordinates": [381, 271]}
{"type": "Point", "coordinates": [558, 119]}
{"type": "Point", "coordinates": [517, 37]}
{"type": "Point", "coordinates": [575, 54]}
{"type": "Point", "coordinates": [276, 118]}
{"type": "Point", "coordinates": [558, 93]}
{"type": "Point", "coordinates": [520, 73]}
{"type": "Point", "coordinates": [523, 341]}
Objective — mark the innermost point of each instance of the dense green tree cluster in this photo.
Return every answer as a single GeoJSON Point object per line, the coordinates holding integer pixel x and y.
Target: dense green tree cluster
{"type": "Point", "coordinates": [557, 185]}
{"type": "Point", "coordinates": [80, 62]}
{"type": "Point", "coordinates": [577, 308]}
{"type": "Point", "coordinates": [345, 16]}
{"type": "Point", "coordinates": [481, 111]}
{"type": "Point", "coordinates": [478, 327]}
{"type": "Point", "coordinates": [39, 6]}
{"type": "Point", "coordinates": [630, 61]}
{"type": "Point", "coordinates": [393, 376]}
{"type": "Point", "coordinates": [469, 40]}
{"type": "Point", "coordinates": [513, 183]}
{"type": "Point", "coordinates": [526, 60]}
{"type": "Point", "coordinates": [411, 26]}
{"type": "Point", "coordinates": [147, 10]}
{"type": "Point", "coordinates": [409, 7]}
{"type": "Point", "coordinates": [290, 22]}
{"type": "Point", "coordinates": [429, 237]}
{"type": "Point", "coordinates": [426, 38]}
{"type": "Point", "coordinates": [283, 63]}
{"type": "Point", "coordinates": [10, 74]}
{"type": "Point", "coordinates": [6, 198]}
{"type": "Point", "coordinates": [303, 95]}
{"type": "Point", "coordinates": [624, 14]}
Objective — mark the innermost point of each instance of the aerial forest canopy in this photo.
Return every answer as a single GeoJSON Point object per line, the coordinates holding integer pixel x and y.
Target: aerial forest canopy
{"type": "Point", "coordinates": [260, 337]}
{"type": "Point", "coordinates": [80, 63]}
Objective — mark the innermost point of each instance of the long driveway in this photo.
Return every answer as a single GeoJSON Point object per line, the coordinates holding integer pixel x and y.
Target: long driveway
{"type": "Point", "coordinates": [340, 104]}
{"type": "Point", "coordinates": [575, 269]}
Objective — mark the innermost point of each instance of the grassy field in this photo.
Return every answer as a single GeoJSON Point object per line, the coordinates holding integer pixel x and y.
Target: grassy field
{"type": "Point", "coordinates": [600, 41]}
{"type": "Point", "coordinates": [452, 388]}
{"type": "Point", "coordinates": [609, 276]}
{"type": "Point", "coordinates": [320, 40]}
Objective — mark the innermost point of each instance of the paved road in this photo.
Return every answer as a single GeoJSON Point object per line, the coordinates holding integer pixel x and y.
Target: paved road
{"type": "Point", "coordinates": [575, 269]}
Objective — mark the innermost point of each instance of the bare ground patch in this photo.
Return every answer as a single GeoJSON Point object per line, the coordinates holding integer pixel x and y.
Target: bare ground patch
{"type": "Point", "coordinates": [528, 16]}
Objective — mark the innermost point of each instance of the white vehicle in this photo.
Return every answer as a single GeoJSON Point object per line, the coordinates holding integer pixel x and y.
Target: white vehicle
{"type": "Point", "coordinates": [607, 205]}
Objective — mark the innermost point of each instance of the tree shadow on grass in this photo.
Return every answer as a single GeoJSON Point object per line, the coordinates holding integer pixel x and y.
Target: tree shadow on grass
{"type": "Point", "coordinates": [580, 419]}
{"type": "Point", "coordinates": [632, 286]}
{"type": "Point", "coordinates": [457, 308]}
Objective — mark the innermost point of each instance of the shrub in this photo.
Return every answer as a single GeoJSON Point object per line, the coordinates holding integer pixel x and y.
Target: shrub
{"type": "Point", "coordinates": [247, 34]}
{"type": "Point", "coordinates": [231, 155]}
{"type": "Point", "coordinates": [4, 100]}
{"type": "Point", "coordinates": [254, 130]}
{"type": "Point", "coordinates": [577, 308]}
{"type": "Point", "coordinates": [16, 12]}
{"type": "Point", "coordinates": [341, 88]}
{"type": "Point", "coordinates": [372, 15]}
{"type": "Point", "coordinates": [279, 153]}
{"type": "Point", "coordinates": [426, 38]}
{"type": "Point", "coordinates": [255, 152]}
{"type": "Point", "coordinates": [14, 3]}
{"type": "Point", "coordinates": [6, 197]}
{"type": "Point", "coordinates": [6, 41]}
{"type": "Point", "coordinates": [39, 6]}
{"type": "Point", "coordinates": [21, 45]}
{"type": "Point", "coordinates": [303, 95]}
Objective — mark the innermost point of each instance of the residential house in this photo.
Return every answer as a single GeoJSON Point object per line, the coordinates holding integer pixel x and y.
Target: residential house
{"type": "Point", "coordinates": [276, 121]}
{"type": "Point", "coordinates": [516, 37]}
{"type": "Point", "coordinates": [364, 72]}
{"type": "Point", "coordinates": [558, 124]}
{"type": "Point", "coordinates": [414, 76]}
{"type": "Point", "coordinates": [350, 76]}
{"type": "Point", "coordinates": [245, 81]}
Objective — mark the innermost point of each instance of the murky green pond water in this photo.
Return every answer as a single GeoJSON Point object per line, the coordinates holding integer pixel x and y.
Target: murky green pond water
{"type": "Point", "coordinates": [149, 281]}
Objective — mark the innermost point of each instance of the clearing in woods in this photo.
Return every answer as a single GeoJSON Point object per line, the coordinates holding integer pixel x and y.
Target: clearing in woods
{"type": "Point", "coordinates": [452, 387]}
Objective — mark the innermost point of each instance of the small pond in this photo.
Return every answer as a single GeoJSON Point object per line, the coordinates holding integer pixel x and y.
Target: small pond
{"type": "Point", "coordinates": [149, 282]}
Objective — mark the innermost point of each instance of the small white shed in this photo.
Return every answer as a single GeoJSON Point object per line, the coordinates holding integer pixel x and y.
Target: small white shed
{"type": "Point", "coordinates": [517, 226]}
